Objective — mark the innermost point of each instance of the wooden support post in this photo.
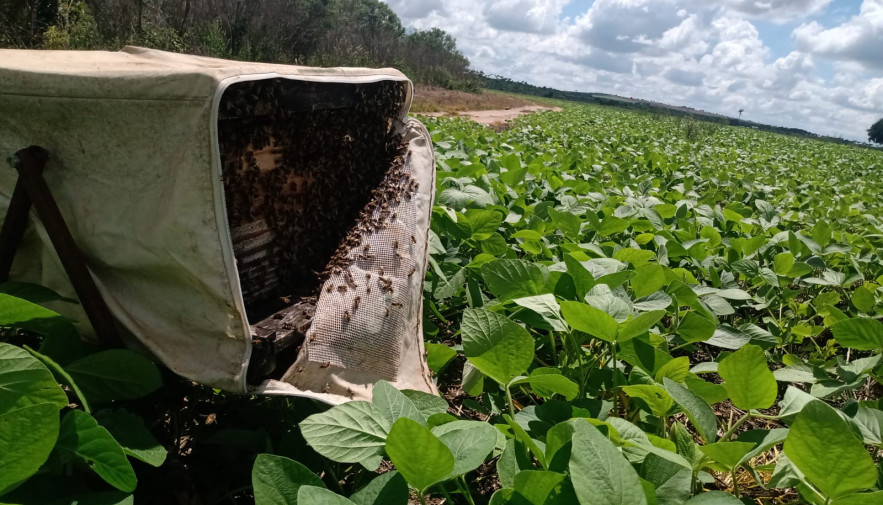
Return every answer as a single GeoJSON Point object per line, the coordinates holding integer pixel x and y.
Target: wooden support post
{"type": "Point", "coordinates": [31, 190]}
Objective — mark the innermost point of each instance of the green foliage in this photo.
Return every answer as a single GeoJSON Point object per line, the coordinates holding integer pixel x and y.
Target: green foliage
{"type": "Point", "coordinates": [875, 132]}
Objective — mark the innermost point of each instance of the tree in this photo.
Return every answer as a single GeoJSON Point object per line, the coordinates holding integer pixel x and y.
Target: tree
{"type": "Point", "coordinates": [875, 132]}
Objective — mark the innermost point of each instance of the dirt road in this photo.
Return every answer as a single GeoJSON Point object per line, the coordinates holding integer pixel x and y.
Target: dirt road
{"type": "Point", "coordinates": [490, 117]}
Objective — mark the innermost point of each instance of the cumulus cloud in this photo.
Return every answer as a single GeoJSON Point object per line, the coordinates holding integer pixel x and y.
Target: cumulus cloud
{"type": "Point", "coordinates": [706, 55]}
{"type": "Point", "coordinates": [859, 39]}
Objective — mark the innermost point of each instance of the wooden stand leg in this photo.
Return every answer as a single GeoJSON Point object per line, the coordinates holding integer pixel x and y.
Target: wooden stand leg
{"type": "Point", "coordinates": [31, 189]}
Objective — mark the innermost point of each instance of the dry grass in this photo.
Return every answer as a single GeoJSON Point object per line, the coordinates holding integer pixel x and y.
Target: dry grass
{"type": "Point", "coordinates": [430, 99]}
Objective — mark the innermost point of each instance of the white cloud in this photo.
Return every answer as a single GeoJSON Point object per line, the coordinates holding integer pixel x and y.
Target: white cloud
{"type": "Point", "coordinates": [706, 55]}
{"type": "Point", "coordinates": [859, 39]}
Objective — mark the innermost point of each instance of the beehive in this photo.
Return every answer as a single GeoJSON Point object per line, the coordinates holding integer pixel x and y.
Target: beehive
{"type": "Point", "coordinates": [229, 210]}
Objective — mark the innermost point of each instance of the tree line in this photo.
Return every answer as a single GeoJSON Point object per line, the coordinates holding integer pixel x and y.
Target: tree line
{"type": "Point", "coordinates": [300, 32]}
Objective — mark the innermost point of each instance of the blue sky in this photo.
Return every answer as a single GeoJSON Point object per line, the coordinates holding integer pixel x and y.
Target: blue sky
{"type": "Point", "coordinates": [812, 64]}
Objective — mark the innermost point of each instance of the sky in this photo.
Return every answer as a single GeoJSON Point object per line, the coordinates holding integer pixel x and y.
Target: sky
{"type": "Point", "coordinates": [811, 64]}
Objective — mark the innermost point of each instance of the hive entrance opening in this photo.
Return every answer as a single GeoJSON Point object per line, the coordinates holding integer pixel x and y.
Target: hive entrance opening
{"type": "Point", "coordinates": [305, 166]}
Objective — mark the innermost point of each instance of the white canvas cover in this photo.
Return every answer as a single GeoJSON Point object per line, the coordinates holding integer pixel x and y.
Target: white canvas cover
{"type": "Point", "coordinates": [135, 168]}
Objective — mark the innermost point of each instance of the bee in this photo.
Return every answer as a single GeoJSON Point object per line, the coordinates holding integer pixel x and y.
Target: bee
{"type": "Point", "coordinates": [326, 388]}
{"type": "Point", "coordinates": [342, 288]}
{"type": "Point", "coordinates": [395, 244]}
{"type": "Point", "coordinates": [382, 272]}
{"type": "Point", "coordinates": [396, 304]}
{"type": "Point", "coordinates": [210, 419]}
{"type": "Point", "coordinates": [367, 247]}
{"type": "Point", "coordinates": [286, 300]}
{"type": "Point", "coordinates": [413, 269]}
{"type": "Point", "coordinates": [387, 312]}
{"type": "Point", "coordinates": [350, 393]}
{"type": "Point", "coordinates": [329, 288]}
{"type": "Point", "coordinates": [346, 315]}
{"type": "Point", "coordinates": [368, 276]}
{"type": "Point", "coordinates": [413, 239]}
{"type": "Point", "coordinates": [325, 365]}
{"type": "Point", "coordinates": [356, 302]}
{"type": "Point", "coordinates": [367, 289]}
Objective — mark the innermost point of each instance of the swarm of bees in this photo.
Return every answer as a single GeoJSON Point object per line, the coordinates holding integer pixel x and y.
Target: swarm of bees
{"type": "Point", "coordinates": [299, 161]}
{"type": "Point", "coordinates": [311, 172]}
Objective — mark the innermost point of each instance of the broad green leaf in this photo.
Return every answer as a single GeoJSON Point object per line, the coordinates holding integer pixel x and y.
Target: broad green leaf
{"type": "Point", "coordinates": [542, 487]}
{"type": "Point", "coordinates": [654, 396]}
{"type": "Point", "coordinates": [695, 328]}
{"type": "Point", "coordinates": [522, 436]}
{"type": "Point", "coordinates": [546, 307]}
{"type": "Point", "coordinates": [27, 436]}
{"type": "Point", "coordinates": [498, 347]}
{"type": "Point", "coordinates": [508, 279]}
{"type": "Point", "coordinates": [648, 279]}
{"type": "Point", "coordinates": [317, 496]}
{"type": "Point", "coordinates": [470, 442]}
{"type": "Point", "coordinates": [863, 299]}
{"type": "Point", "coordinates": [588, 319]}
{"type": "Point", "coordinates": [512, 460]}
{"type": "Point", "coordinates": [783, 263]}
{"type": "Point", "coordinates": [14, 310]}
{"type": "Point", "coordinates": [25, 381]}
{"type": "Point", "coordinates": [389, 488]}
{"type": "Point", "coordinates": [117, 374]}
{"type": "Point", "coordinates": [671, 482]}
{"type": "Point", "coordinates": [611, 225]}
{"type": "Point", "coordinates": [676, 370]}
{"type": "Point", "coordinates": [62, 376]}
{"type": "Point", "coordinates": [82, 438]}
{"type": "Point", "coordinates": [545, 383]}
{"type": "Point", "coordinates": [428, 404]}
{"type": "Point", "coordinates": [822, 446]}
{"type": "Point", "coordinates": [394, 404]}
{"type": "Point", "coordinates": [639, 325]}
{"type": "Point", "coordinates": [605, 477]}
{"type": "Point", "coordinates": [483, 223]}
{"type": "Point", "coordinates": [418, 455]}
{"type": "Point", "coordinates": [714, 498]}
{"type": "Point", "coordinates": [33, 293]}
{"type": "Point", "coordinates": [636, 257]}
{"type": "Point", "coordinates": [583, 280]}
{"type": "Point", "coordinates": [451, 285]}
{"type": "Point", "coordinates": [698, 412]}
{"type": "Point", "coordinates": [872, 498]}
{"type": "Point", "coordinates": [277, 479]}
{"type": "Point", "coordinates": [438, 355]}
{"type": "Point", "coordinates": [750, 384]}
{"type": "Point", "coordinates": [348, 433]}
{"type": "Point", "coordinates": [862, 333]}
{"type": "Point", "coordinates": [132, 435]}
{"type": "Point", "coordinates": [729, 454]}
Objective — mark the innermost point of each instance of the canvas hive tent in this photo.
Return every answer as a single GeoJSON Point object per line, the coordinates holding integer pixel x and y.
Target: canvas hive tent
{"type": "Point", "coordinates": [255, 227]}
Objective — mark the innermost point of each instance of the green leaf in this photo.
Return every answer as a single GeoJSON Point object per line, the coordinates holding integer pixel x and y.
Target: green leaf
{"type": "Point", "coordinates": [117, 374]}
{"type": "Point", "coordinates": [783, 263]}
{"type": "Point", "coordinates": [394, 404]}
{"type": "Point", "coordinates": [348, 433]}
{"type": "Point", "coordinates": [450, 286]}
{"type": "Point", "coordinates": [27, 436]}
{"type": "Point", "coordinates": [729, 454]}
{"type": "Point", "coordinates": [419, 456]}
{"type": "Point", "coordinates": [588, 319]}
{"type": "Point", "coordinates": [508, 279]}
{"type": "Point", "coordinates": [132, 435]}
{"type": "Point", "coordinates": [698, 412]}
{"type": "Point", "coordinates": [541, 487]}
{"type": "Point", "coordinates": [82, 438]}
{"type": "Point", "coordinates": [750, 384]}
{"type": "Point", "coordinates": [470, 442]}
{"type": "Point", "coordinates": [676, 369]}
{"type": "Point", "coordinates": [483, 223]}
{"type": "Point", "coordinates": [14, 310]}
{"type": "Point", "coordinates": [714, 498]}
{"type": "Point", "coordinates": [654, 396]}
{"type": "Point", "coordinates": [822, 446]}
{"type": "Point", "coordinates": [605, 477]}
{"type": "Point", "coordinates": [24, 381]}
{"type": "Point", "coordinates": [864, 299]}
{"type": "Point", "coordinates": [438, 355]}
{"type": "Point", "coordinates": [695, 328]}
{"type": "Point", "coordinates": [62, 376]}
{"type": "Point", "coordinates": [648, 279]}
{"type": "Point", "coordinates": [672, 483]}
{"type": "Point", "coordinates": [611, 225]}
{"type": "Point", "coordinates": [389, 488]}
{"type": "Point", "coordinates": [873, 498]}
{"type": "Point", "coordinates": [314, 495]}
{"type": "Point", "coordinates": [639, 325]}
{"type": "Point", "coordinates": [862, 333]}
{"type": "Point", "coordinates": [544, 384]}
{"type": "Point", "coordinates": [522, 436]}
{"type": "Point", "coordinates": [546, 307]}
{"type": "Point", "coordinates": [428, 404]}
{"type": "Point", "coordinates": [498, 347]}
{"type": "Point", "coordinates": [582, 278]}
{"type": "Point", "coordinates": [276, 480]}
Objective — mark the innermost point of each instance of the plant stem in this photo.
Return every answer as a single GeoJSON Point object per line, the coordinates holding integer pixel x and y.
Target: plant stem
{"type": "Point", "coordinates": [466, 490]}
{"type": "Point", "coordinates": [421, 498]}
{"type": "Point", "coordinates": [748, 415]}
{"type": "Point", "coordinates": [613, 363]}
{"type": "Point", "coordinates": [553, 348]}
{"type": "Point", "coordinates": [735, 483]}
{"type": "Point", "coordinates": [509, 401]}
